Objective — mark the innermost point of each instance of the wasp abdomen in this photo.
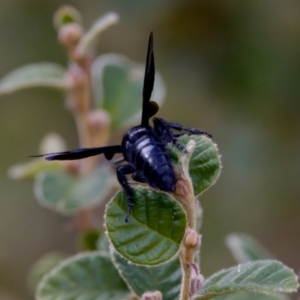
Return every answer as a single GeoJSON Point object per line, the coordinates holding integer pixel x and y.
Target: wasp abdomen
{"type": "Point", "coordinates": [150, 159]}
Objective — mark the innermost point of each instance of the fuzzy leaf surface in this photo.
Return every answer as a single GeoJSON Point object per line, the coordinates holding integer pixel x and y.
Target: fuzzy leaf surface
{"type": "Point", "coordinates": [155, 228]}
{"type": "Point", "coordinates": [245, 248]}
{"type": "Point", "coordinates": [118, 86]}
{"type": "Point", "coordinates": [262, 276]}
{"type": "Point", "coordinates": [42, 267]}
{"type": "Point", "coordinates": [68, 194]}
{"type": "Point", "coordinates": [31, 168]}
{"type": "Point", "coordinates": [89, 276]}
{"type": "Point", "coordinates": [205, 164]}
{"type": "Point", "coordinates": [252, 296]}
{"type": "Point", "coordinates": [88, 40]}
{"type": "Point", "coordinates": [34, 75]}
{"type": "Point", "coordinates": [165, 278]}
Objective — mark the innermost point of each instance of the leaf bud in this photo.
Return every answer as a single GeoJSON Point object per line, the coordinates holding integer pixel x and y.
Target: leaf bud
{"type": "Point", "coordinates": [70, 34]}
{"type": "Point", "coordinates": [75, 77]}
{"type": "Point", "coordinates": [192, 239]}
{"type": "Point", "coordinates": [66, 15]}
{"type": "Point", "coordinates": [152, 296]}
{"type": "Point", "coordinates": [197, 279]}
{"type": "Point", "coordinates": [98, 119]}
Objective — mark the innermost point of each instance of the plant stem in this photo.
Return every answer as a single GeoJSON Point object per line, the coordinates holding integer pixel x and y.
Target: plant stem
{"type": "Point", "coordinates": [84, 103]}
{"type": "Point", "coordinates": [82, 99]}
{"type": "Point", "coordinates": [185, 196]}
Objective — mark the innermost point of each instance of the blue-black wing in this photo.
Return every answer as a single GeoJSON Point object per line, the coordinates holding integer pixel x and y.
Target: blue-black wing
{"type": "Point", "coordinates": [148, 110]}
{"type": "Point", "coordinates": [108, 151]}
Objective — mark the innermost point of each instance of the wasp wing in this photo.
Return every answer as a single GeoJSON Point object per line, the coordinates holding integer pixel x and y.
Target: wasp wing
{"type": "Point", "coordinates": [148, 82]}
{"type": "Point", "coordinates": [108, 151]}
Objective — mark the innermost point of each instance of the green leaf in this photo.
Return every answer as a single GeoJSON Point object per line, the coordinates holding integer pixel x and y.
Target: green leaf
{"type": "Point", "coordinates": [89, 276]}
{"type": "Point", "coordinates": [31, 168]}
{"type": "Point", "coordinates": [66, 15]}
{"type": "Point", "coordinates": [118, 86]}
{"type": "Point", "coordinates": [155, 228]}
{"type": "Point", "coordinates": [51, 143]}
{"type": "Point", "coordinates": [34, 75]}
{"type": "Point", "coordinates": [42, 267]}
{"type": "Point", "coordinates": [67, 194]}
{"type": "Point", "coordinates": [103, 243]}
{"type": "Point", "coordinates": [165, 278]}
{"type": "Point", "coordinates": [89, 239]}
{"type": "Point", "coordinates": [251, 296]}
{"type": "Point", "coordinates": [205, 164]}
{"type": "Point", "coordinates": [262, 276]}
{"type": "Point", "coordinates": [90, 37]}
{"type": "Point", "coordinates": [245, 248]}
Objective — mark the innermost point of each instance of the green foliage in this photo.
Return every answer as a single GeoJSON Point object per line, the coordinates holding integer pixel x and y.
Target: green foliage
{"type": "Point", "coordinates": [118, 85]}
{"type": "Point", "coordinates": [251, 296]}
{"type": "Point", "coordinates": [34, 75]}
{"type": "Point", "coordinates": [88, 275]}
{"type": "Point", "coordinates": [42, 267]}
{"type": "Point", "coordinates": [32, 168]}
{"type": "Point", "coordinates": [245, 248]}
{"type": "Point", "coordinates": [89, 239]}
{"type": "Point", "coordinates": [204, 166]}
{"type": "Point", "coordinates": [88, 40]}
{"type": "Point", "coordinates": [155, 250]}
{"type": "Point", "coordinates": [68, 194]}
{"type": "Point", "coordinates": [165, 278]}
{"type": "Point", "coordinates": [155, 228]}
{"type": "Point", "coordinates": [66, 15]}
{"type": "Point", "coordinates": [263, 276]}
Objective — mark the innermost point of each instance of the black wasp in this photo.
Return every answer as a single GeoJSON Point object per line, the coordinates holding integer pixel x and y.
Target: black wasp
{"type": "Point", "coordinates": [143, 146]}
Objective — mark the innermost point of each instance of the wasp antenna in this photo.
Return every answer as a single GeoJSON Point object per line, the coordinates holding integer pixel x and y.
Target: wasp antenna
{"type": "Point", "coordinates": [148, 81]}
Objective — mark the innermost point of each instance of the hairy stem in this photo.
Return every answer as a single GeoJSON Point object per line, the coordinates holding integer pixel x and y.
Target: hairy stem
{"type": "Point", "coordinates": [81, 104]}
{"type": "Point", "coordinates": [84, 104]}
{"type": "Point", "coordinates": [185, 196]}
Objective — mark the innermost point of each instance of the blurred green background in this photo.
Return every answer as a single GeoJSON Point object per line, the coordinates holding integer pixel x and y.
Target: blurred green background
{"type": "Point", "coordinates": [230, 67]}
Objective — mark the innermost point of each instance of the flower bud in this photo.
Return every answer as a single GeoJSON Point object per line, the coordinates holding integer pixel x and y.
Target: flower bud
{"type": "Point", "coordinates": [98, 119]}
{"type": "Point", "coordinates": [152, 296]}
{"type": "Point", "coordinates": [70, 34]}
{"type": "Point", "coordinates": [197, 279]}
{"type": "Point", "coordinates": [192, 239]}
{"type": "Point", "coordinates": [75, 76]}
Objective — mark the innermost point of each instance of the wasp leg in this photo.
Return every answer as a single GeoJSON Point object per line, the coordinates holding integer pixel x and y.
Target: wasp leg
{"type": "Point", "coordinates": [164, 132]}
{"type": "Point", "coordinates": [121, 172]}
{"type": "Point", "coordinates": [187, 130]}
